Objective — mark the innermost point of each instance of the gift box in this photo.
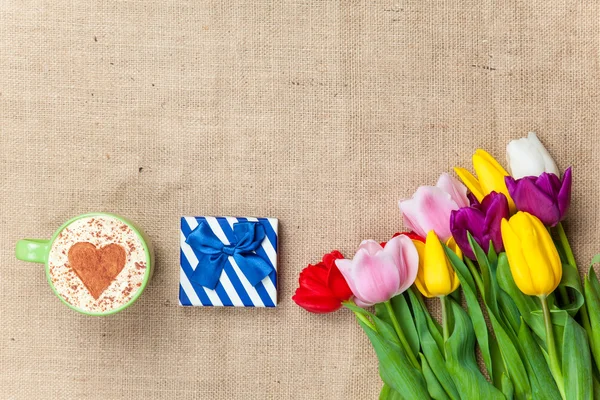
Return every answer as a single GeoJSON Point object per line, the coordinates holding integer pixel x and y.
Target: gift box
{"type": "Point", "coordinates": [228, 261]}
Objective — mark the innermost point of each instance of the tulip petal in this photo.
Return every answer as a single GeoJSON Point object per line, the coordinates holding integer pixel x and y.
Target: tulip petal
{"type": "Point", "coordinates": [455, 281]}
{"type": "Point", "coordinates": [471, 182]}
{"type": "Point", "coordinates": [362, 304]}
{"type": "Point", "coordinates": [420, 279]}
{"type": "Point", "coordinates": [394, 249]}
{"type": "Point", "coordinates": [491, 175]}
{"type": "Point", "coordinates": [528, 157]}
{"type": "Point", "coordinates": [472, 200]}
{"type": "Point", "coordinates": [549, 164]}
{"type": "Point", "coordinates": [410, 222]}
{"type": "Point", "coordinates": [524, 159]}
{"type": "Point", "coordinates": [376, 277]}
{"type": "Point", "coordinates": [495, 207]}
{"type": "Point", "coordinates": [345, 266]}
{"type": "Point", "coordinates": [534, 261]}
{"type": "Point", "coordinates": [429, 209]}
{"type": "Point", "coordinates": [536, 254]}
{"type": "Point", "coordinates": [549, 184]}
{"type": "Point", "coordinates": [372, 279]}
{"type": "Point", "coordinates": [313, 278]}
{"type": "Point", "coordinates": [315, 303]}
{"type": "Point", "coordinates": [531, 199]}
{"type": "Point", "coordinates": [371, 246]}
{"type": "Point", "coordinates": [517, 262]}
{"type": "Point", "coordinates": [550, 254]}
{"type": "Point", "coordinates": [468, 219]}
{"type": "Point", "coordinates": [406, 258]}
{"type": "Point", "coordinates": [564, 195]}
{"type": "Point", "coordinates": [337, 284]}
{"type": "Point", "coordinates": [329, 258]}
{"type": "Point", "coordinates": [487, 158]}
{"type": "Point", "coordinates": [456, 190]}
{"type": "Point", "coordinates": [437, 276]}
{"type": "Point", "coordinates": [451, 243]}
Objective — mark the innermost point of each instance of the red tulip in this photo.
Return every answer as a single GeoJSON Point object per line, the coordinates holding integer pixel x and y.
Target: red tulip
{"type": "Point", "coordinates": [322, 286]}
{"type": "Point", "coordinates": [411, 236]}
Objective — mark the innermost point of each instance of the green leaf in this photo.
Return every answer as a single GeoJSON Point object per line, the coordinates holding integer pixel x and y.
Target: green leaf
{"type": "Point", "coordinates": [510, 349]}
{"type": "Point", "coordinates": [592, 302]}
{"type": "Point", "coordinates": [507, 387]}
{"type": "Point", "coordinates": [475, 274]}
{"type": "Point", "coordinates": [434, 327]}
{"type": "Point", "coordinates": [492, 255]}
{"type": "Point", "coordinates": [526, 304]}
{"type": "Point", "coordinates": [395, 368]}
{"type": "Point", "coordinates": [436, 391]}
{"type": "Point", "coordinates": [404, 317]}
{"type": "Point", "coordinates": [481, 331]}
{"type": "Point", "coordinates": [498, 365]}
{"type": "Point", "coordinates": [571, 280]}
{"type": "Point", "coordinates": [509, 311]}
{"type": "Point", "coordinates": [577, 362]}
{"type": "Point", "coordinates": [353, 307]}
{"type": "Point", "coordinates": [387, 393]}
{"type": "Point", "coordinates": [505, 335]}
{"type": "Point", "coordinates": [456, 296]}
{"type": "Point", "coordinates": [596, 389]}
{"type": "Point", "coordinates": [386, 331]}
{"type": "Point", "coordinates": [543, 385]}
{"type": "Point", "coordinates": [471, 384]}
{"type": "Point", "coordinates": [432, 350]}
{"type": "Point", "coordinates": [489, 286]}
{"type": "Point", "coordinates": [596, 259]}
{"type": "Point", "coordinates": [594, 280]}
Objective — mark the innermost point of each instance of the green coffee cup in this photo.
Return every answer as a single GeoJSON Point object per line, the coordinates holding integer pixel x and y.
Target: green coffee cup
{"type": "Point", "coordinates": [97, 264]}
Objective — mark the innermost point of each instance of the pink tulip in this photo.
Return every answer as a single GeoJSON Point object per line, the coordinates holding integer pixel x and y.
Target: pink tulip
{"type": "Point", "coordinates": [376, 274]}
{"type": "Point", "coordinates": [430, 207]}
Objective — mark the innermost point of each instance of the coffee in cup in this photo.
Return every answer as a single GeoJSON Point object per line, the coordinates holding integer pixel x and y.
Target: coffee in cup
{"type": "Point", "coordinates": [98, 264]}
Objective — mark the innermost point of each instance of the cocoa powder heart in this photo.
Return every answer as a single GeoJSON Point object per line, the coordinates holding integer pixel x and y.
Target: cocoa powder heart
{"type": "Point", "coordinates": [97, 268]}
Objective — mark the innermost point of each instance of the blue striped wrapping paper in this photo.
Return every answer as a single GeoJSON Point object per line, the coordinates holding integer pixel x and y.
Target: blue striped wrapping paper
{"type": "Point", "coordinates": [233, 288]}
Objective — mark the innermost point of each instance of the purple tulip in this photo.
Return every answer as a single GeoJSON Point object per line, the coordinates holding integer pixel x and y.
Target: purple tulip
{"type": "Point", "coordinates": [482, 221]}
{"type": "Point", "coordinates": [545, 196]}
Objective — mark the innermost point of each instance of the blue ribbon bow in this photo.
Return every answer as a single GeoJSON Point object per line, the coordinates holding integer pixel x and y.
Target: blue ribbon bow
{"type": "Point", "coordinates": [214, 254]}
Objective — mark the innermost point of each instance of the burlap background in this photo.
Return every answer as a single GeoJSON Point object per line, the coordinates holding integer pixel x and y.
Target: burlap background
{"type": "Point", "coordinates": [320, 113]}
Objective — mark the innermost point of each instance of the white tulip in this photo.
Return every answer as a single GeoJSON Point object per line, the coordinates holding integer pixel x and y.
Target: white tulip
{"type": "Point", "coordinates": [528, 157]}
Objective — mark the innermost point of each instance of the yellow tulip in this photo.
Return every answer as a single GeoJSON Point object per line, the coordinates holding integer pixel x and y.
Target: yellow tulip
{"type": "Point", "coordinates": [436, 277]}
{"type": "Point", "coordinates": [490, 177]}
{"type": "Point", "coordinates": [534, 261]}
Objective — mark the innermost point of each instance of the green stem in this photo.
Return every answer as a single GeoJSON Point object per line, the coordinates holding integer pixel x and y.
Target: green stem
{"type": "Point", "coordinates": [564, 241]}
{"type": "Point", "coordinates": [551, 344]}
{"type": "Point", "coordinates": [365, 320]}
{"type": "Point", "coordinates": [563, 295]}
{"type": "Point", "coordinates": [403, 341]}
{"type": "Point", "coordinates": [476, 276]}
{"type": "Point", "coordinates": [445, 322]}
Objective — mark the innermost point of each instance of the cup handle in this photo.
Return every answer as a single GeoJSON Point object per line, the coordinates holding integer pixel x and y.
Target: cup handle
{"type": "Point", "coordinates": [33, 250]}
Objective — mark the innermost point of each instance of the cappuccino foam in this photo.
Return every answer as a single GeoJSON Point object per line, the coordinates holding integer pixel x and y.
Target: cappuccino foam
{"type": "Point", "coordinates": [99, 231]}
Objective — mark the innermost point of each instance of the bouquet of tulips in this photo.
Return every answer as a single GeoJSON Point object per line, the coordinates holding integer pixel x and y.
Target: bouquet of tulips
{"type": "Point", "coordinates": [493, 252]}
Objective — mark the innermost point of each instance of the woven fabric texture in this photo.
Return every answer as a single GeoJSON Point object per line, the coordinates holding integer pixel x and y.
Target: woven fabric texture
{"type": "Point", "coordinates": [320, 113]}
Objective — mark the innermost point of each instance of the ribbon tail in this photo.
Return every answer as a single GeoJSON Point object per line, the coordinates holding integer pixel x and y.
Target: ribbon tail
{"type": "Point", "coordinates": [254, 267]}
{"type": "Point", "coordinates": [208, 272]}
